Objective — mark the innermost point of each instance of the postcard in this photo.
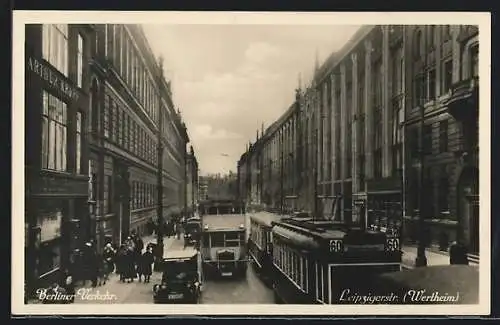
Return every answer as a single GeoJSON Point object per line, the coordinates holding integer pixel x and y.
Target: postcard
{"type": "Point", "coordinates": [251, 163]}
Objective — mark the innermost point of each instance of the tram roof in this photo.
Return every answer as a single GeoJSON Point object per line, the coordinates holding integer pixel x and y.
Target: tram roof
{"type": "Point", "coordinates": [266, 218]}
{"type": "Point", "coordinates": [218, 222]}
{"type": "Point", "coordinates": [321, 228]}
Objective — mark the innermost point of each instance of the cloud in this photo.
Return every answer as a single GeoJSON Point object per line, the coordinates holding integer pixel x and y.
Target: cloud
{"type": "Point", "coordinates": [207, 132]}
{"type": "Point", "coordinates": [229, 79]}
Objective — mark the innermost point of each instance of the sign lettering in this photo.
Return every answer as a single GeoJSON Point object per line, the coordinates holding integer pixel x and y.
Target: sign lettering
{"type": "Point", "coordinates": [48, 74]}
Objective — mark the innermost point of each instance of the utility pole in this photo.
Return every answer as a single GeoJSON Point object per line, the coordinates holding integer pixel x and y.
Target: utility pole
{"type": "Point", "coordinates": [159, 206]}
{"type": "Point", "coordinates": [421, 259]}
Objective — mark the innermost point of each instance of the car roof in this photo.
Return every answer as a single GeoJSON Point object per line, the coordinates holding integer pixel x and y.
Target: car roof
{"type": "Point", "coordinates": [180, 254]}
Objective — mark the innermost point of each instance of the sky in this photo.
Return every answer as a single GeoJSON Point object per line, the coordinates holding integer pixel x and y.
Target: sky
{"type": "Point", "coordinates": [228, 80]}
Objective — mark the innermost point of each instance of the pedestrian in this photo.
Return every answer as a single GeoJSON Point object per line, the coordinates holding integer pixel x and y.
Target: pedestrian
{"type": "Point", "coordinates": [121, 262]}
{"type": "Point", "coordinates": [90, 264]}
{"type": "Point", "coordinates": [109, 259]}
{"type": "Point", "coordinates": [130, 269]}
{"type": "Point", "coordinates": [69, 285]}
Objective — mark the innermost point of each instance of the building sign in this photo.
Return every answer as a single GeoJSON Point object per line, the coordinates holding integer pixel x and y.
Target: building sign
{"type": "Point", "coordinates": [52, 77]}
{"type": "Point", "coordinates": [50, 226]}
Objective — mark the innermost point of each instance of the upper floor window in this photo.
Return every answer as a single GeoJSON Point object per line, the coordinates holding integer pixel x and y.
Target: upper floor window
{"type": "Point", "coordinates": [55, 46]}
{"type": "Point", "coordinates": [79, 62]}
{"type": "Point", "coordinates": [432, 36]}
{"type": "Point", "coordinates": [78, 142]}
{"type": "Point", "coordinates": [418, 44]}
{"type": "Point", "coordinates": [447, 75]}
{"type": "Point", "coordinates": [54, 133]}
{"type": "Point", "coordinates": [474, 60]}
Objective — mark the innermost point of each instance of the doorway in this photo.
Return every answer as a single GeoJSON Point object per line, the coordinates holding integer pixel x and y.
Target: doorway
{"type": "Point", "coordinates": [468, 208]}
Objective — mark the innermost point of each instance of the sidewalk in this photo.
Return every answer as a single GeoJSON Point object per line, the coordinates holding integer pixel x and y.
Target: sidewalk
{"type": "Point", "coordinates": [136, 292]}
{"type": "Point", "coordinates": [433, 257]}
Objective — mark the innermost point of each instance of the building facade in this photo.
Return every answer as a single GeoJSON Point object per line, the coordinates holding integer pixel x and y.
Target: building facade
{"type": "Point", "coordinates": [353, 140]}
{"type": "Point", "coordinates": [191, 181]}
{"type": "Point", "coordinates": [112, 155]}
{"type": "Point", "coordinates": [57, 84]}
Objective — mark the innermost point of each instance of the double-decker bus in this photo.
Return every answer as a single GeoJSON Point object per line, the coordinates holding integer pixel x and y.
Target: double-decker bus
{"type": "Point", "coordinates": [315, 261]}
{"type": "Point", "coordinates": [223, 238]}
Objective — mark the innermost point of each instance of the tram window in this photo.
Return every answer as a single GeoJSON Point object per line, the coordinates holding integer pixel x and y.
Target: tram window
{"type": "Point", "coordinates": [232, 243]}
{"type": "Point", "coordinates": [326, 282]}
{"type": "Point", "coordinates": [217, 239]}
{"type": "Point", "coordinates": [242, 238]}
{"type": "Point", "coordinates": [319, 282]}
{"type": "Point", "coordinates": [297, 269]}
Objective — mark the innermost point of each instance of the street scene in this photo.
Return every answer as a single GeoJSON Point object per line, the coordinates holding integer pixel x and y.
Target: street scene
{"type": "Point", "coordinates": [251, 164]}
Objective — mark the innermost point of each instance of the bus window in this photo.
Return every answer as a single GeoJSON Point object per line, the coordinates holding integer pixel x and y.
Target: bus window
{"type": "Point", "coordinates": [217, 239]}
{"type": "Point", "coordinates": [206, 242]}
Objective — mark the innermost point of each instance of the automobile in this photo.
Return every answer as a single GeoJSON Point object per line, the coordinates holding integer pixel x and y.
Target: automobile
{"type": "Point", "coordinates": [192, 231]}
{"type": "Point", "coordinates": [437, 284]}
{"type": "Point", "coordinates": [182, 277]}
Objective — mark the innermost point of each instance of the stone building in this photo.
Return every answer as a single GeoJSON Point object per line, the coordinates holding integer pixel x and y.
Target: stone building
{"type": "Point", "coordinates": [57, 85]}
{"type": "Point", "coordinates": [191, 181]}
{"type": "Point", "coordinates": [357, 127]}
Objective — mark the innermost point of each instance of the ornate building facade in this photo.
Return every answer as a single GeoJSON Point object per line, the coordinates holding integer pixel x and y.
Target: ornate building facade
{"type": "Point", "coordinates": [112, 150]}
{"type": "Point", "coordinates": [352, 140]}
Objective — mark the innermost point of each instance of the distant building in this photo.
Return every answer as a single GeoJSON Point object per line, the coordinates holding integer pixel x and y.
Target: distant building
{"type": "Point", "coordinates": [223, 187]}
{"type": "Point", "coordinates": [191, 181]}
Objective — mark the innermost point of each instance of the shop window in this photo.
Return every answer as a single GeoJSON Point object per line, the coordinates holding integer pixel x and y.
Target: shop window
{"type": "Point", "coordinates": [48, 239]}
{"type": "Point", "coordinates": [54, 133]}
{"type": "Point", "coordinates": [444, 190]}
{"type": "Point", "coordinates": [427, 143]}
{"type": "Point", "coordinates": [55, 46]}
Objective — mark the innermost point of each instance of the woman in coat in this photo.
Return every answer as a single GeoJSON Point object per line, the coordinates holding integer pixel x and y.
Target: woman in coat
{"type": "Point", "coordinates": [147, 260]}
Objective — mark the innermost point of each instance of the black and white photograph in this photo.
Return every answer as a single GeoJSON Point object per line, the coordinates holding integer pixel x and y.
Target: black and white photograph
{"type": "Point", "coordinates": [251, 163]}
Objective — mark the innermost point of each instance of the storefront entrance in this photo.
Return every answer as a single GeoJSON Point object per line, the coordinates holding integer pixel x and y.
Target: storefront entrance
{"type": "Point", "coordinates": [468, 208]}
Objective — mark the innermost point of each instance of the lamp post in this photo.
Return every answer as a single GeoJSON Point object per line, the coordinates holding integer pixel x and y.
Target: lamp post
{"type": "Point", "coordinates": [421, 259]}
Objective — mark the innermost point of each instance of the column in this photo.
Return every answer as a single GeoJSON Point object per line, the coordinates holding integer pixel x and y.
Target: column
{"type": "Point", "coordinates": [368, 110]}
{"type": "Point", "coordinates": [455, 46]}
{"type": "Point", "coordinates": [437, 52]}
{"type": "Point", "coordinates": [355, 113]}
{"type": "Point", "coordinates": [332, 124]}
{"type": "Point", "coordinates": [386, 105]}
{"type": "Point", "coordinates": [343, 133]}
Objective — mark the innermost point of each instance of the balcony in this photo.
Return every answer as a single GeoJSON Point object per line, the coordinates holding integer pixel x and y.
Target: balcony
{"type": "Point", "coordinates": [463, 101]}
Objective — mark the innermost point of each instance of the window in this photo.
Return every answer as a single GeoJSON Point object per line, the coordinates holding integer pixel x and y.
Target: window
{"type": "Point", "coordinates": [54, 133]}
{"type": "Point", "coordinates": [447, 75]}
{"type": "Point", "coordinates": [432, 35]}
{"type": "Point", "coordinates": [55, 46]}
{"type": "Point", "coordinates": [119, 126]}
{"type": "Point", "coordinates": [474, 61]}
{"type": "Point", "coordinates": [431, 84]}
{"type": "Point", "coordinates": [427, 143]}
{"type": "Point", "coordinates": [109, 191]}
{"type": "Point", "coordinates": [419, 91]}
{"type": "Point", "coordinates": [79, 63]}
{"type": "Point", "coordinates": [443, 194]}
{"type": "Point", "coordinates": [108, 106]}
{"type": "Point", "coordinates": [78, 139]}
{"type": "Point", "coordinates": [377, 144]}
{"type": "Point", "coordinates": [443, 136]}
{"type": "Point", "coordinates": [126, 134]}
{"type": "Point", "coordinates": [217, 239]}
{"type": "Point", "coordinates": [417, 45]}
{"type": "Point", "coordinates": [397, 138]}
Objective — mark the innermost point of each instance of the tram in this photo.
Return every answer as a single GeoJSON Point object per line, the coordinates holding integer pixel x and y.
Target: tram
{"type": "Point", "coordinates": [223, 239]}
{"type": "Point", "coordinates": [315, 261]}
{"type": "Point", "coordinates": [260, 244]}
